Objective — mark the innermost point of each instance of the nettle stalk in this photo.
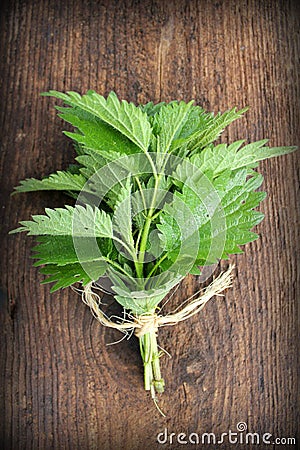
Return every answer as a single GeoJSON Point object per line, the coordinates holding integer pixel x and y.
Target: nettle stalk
{"type": "Point", "coordinates": [153, 380]}
{"type": "Point", "coordinates": [154, 198]}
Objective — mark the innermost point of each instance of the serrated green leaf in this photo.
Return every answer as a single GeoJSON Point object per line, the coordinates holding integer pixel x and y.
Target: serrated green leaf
{"type": "Point", "coordinates": [125, 117]}
{"type": "Point", "coordinates": [169, 232]}
{"type": "Point", "coordinates": [203, 128]}
{"type": "Point", "coordinates": [78, 221]}
{"type": "Point", "coordinates": [62, 250]}
{"type": "Point", "coordinates": [229, 224]}
{"type": "Point", "coordinates": [231, 157]}
{"type": "Point", "coordinates": [65, 276]}
{"type": "Point", "coordinates": [91, 162]}
{"type": "Point", "coordinates": [95, 134]}
{"type": "Point", "coordinates": [59, 181]}
{"type": "Point", "coordinates": [168, 123]}
{"type": "Point", "coordinates": [151, 108]}
{"type": "Point", "coordinates": [213, 131]}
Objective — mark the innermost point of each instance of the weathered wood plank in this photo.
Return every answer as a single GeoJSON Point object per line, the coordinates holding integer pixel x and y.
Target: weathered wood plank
{"type": "Point", "coordinates": [61, 386]}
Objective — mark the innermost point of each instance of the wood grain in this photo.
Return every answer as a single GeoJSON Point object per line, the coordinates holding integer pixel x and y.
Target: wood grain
{"type": "Point", "coordinates": [62, 387]}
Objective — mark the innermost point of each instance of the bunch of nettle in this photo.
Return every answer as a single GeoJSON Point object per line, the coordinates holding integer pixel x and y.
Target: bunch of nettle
{"type": "Point", "coordinates": [154, 199]}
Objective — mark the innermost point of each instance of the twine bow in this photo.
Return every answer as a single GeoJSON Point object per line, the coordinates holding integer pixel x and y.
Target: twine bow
{"type": "Point", "coordinates": [146, 323]}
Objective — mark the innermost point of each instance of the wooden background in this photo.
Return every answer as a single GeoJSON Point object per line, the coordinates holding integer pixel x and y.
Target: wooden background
{"type": "Point", "coordinates": [61, 386]}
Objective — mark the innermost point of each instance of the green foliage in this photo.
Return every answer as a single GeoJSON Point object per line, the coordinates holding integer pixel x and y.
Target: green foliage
{"type": "Point", "coordinates": [60, 181]}
{"type": "Point", "coordinates": [203, 128]}
{"type": "Point", "coordinates": [231, 157]}
{"type": "Point", "coordinates": [65, 276]}
{"type": "Point", "coordinates": [146, 222]}
{"type": "Point", "coordinates": [124, 117]}
{"type": "Point", "coordinates": [62, 250]}
{"type": "Point", "coordinates": [228, 223]}
{"type": "Point", "coordinates": [79, 221]}
{"type": "Point", "coordinates": [168, 123]}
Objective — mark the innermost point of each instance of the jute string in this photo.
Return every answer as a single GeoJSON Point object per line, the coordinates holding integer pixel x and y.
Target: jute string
{"type": "Point", "coordinates": [145, 323]}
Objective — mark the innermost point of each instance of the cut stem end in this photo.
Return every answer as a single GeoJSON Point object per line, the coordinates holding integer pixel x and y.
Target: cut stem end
{"type": "Point", "coordinates": [153, 380]}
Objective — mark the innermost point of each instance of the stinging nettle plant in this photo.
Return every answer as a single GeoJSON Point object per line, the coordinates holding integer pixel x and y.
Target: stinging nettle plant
{"type": "Point", "coordinates": [154, 199]}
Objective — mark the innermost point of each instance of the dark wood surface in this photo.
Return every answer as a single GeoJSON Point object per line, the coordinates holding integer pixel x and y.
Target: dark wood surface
{"type": "Point", "coordinates": [62, 387]}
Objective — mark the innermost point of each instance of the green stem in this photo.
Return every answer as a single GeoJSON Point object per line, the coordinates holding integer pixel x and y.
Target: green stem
{"type": "Point", "coordinates": [130, 251]}
{"type": "Point", "coordinates": [157, 265]}
{"type": "Point", "coordinates": [158, 381]}
{"type": "Point", "coordinates": [146, 229]}
{"type": "Point", "coordinates": [120, 268]}
{"type": "Point", "coordinates": [144, 238]}
{"type": "Point", "coordinates": [153, 380]}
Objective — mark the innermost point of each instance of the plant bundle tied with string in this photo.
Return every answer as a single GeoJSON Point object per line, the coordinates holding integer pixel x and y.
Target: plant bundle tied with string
{"type": "Point", "coordinates": [154, 199]}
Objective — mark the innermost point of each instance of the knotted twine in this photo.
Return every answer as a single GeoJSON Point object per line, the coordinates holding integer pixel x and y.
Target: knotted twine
{"type": "Point", "coordinates": [150, 322]}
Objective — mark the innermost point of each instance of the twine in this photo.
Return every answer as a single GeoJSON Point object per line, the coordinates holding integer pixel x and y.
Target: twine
{"type": "Point", "coordinates": [150, 322]}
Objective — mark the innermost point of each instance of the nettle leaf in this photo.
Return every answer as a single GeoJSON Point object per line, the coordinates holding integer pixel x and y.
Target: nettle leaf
{"type": "Point", "coordinates": [169, 232]}
{"type": "Point", "coordinates": [70, 221]}
{"type": "Point", "coordinates": [91, 162]}
{"type": "Point", "coordinates": [168, 123]}
{"type": "Point", "coordinates": [231, 157]}
{"type": "Point", "coordinates": [222, 208]}
{"type": "Point", "coordinates": [214, 129]}
{"type": "Point", "coordinates": [70, 261]}
{"type": "Point", "coordinates": [65, 276]}
{"type": "Point", "coordinates": [179, 234]}
{"type": "Point", "coordinates": [58, 250]}
{"type": "Point", "coordinates": [223, 160]}
{"type": "Point", "coordinates": [202, 128]}
{"type": "Point", "coordinates": [142, 300]}
{"type": "Point", "coordinates": [151, 108]}
{"type": "Point", "coordinates": [63, 250]}
{"type": "Point", "coordinates": [125, 117]}
{"type": "Point", "coordinates": [59, 181]}
{"type": "Point", "coordinates": [225, 225]}
{"type": "Point", "coordinates": [95, 134]}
